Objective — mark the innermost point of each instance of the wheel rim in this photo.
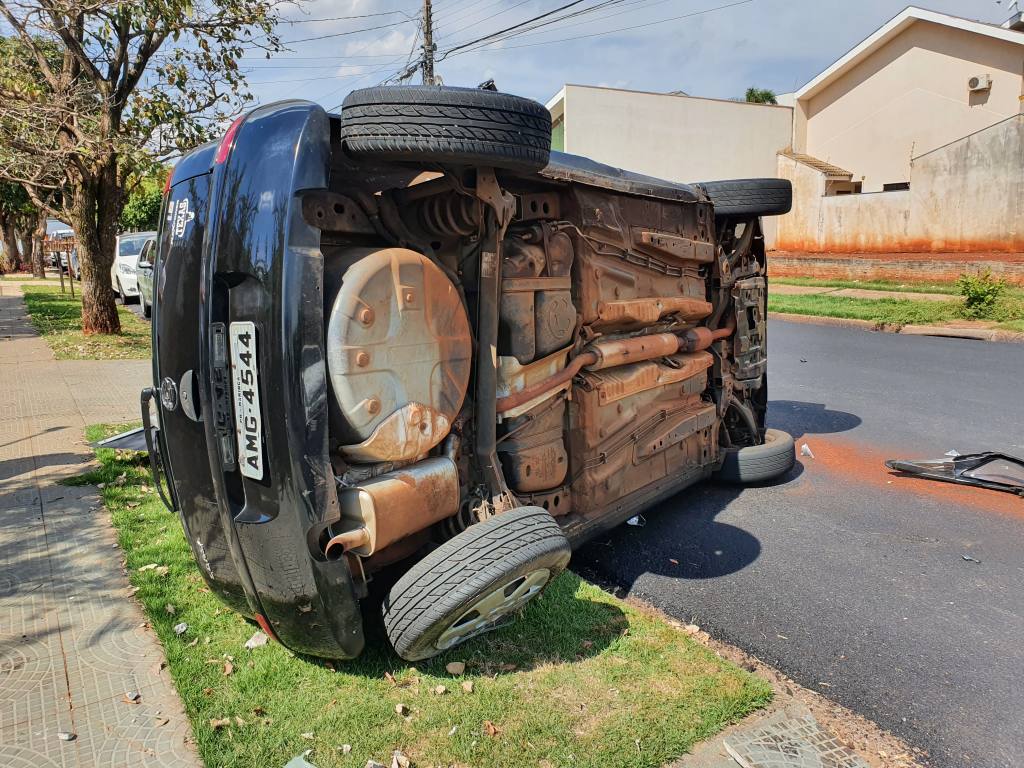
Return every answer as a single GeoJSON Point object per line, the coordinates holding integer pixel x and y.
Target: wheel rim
{"type": "Point", "coordinates": [487, 612]}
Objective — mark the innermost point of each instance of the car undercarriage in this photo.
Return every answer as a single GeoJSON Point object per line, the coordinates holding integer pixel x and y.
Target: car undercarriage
{"type": "Point", "coordinates": [444, 363]}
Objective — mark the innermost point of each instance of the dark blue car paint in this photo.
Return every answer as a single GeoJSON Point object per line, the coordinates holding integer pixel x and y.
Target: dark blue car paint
{"type": "Point", "coordinates": [247, 254]}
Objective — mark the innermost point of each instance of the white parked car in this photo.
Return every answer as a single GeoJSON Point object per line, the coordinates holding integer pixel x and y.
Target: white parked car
{"type": "Point", "coordinates": [126, 260]}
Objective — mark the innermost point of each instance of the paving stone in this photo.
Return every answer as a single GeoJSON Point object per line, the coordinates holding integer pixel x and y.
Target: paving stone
{"type": "Point", "coordinates": [793, 742]}
{"type": "Point", "coordinates": [71, 644]}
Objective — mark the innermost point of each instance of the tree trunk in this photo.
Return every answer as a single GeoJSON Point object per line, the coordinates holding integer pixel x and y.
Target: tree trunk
{"type": "Point", "coordinates": [95, 209]}
{"type": "Point", "coordinates": [9, 259]}
{"type": "Point", "coordinates": [24, 248]}
{"type": "Point", "coordinates": [38, 257]}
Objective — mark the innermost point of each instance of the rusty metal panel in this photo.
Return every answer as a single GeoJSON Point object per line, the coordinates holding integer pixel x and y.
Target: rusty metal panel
{"type": "Point", "coordinates": [618, 383]}
{"type": "Point", "coordinates": [534, 457]}
{"type": "Point", "coordinates": [633, 312]}
{"type": "Point", "coordinates": [751, 354]}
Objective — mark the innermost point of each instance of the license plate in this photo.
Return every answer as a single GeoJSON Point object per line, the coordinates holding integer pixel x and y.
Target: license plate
{"type": "Point", "coordinates": [246, 379]}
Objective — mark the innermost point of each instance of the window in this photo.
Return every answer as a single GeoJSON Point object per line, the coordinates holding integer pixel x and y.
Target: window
{"type": "Point", "coordinates": [896, 186]}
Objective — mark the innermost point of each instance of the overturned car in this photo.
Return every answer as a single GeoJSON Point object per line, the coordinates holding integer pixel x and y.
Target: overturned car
{"type": "Point", "coordinates": [410, 344]}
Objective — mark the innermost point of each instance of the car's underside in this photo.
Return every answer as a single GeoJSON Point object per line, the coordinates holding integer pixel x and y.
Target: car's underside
{"type": "Point", "coordinates": [503, 340]}
{"type": "Point", "coordinates": [405, 339]}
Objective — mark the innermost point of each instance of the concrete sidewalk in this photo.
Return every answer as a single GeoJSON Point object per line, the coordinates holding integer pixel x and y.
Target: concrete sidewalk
{"type": "Point", "coordinates": [72, 641]}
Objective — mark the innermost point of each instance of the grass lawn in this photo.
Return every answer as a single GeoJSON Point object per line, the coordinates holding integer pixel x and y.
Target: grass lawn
{"type": "Point", "coordinates": [897, 312]}
{"type": "Point", "coordinates": [58, 318]}
{"type": "Point", "coordinates": [885, 285]}
{"type": "Point", "coordinates": [582, 679]}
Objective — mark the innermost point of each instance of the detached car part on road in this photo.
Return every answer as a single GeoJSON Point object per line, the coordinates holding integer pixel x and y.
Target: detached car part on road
{"type": "Point", "coordinates": [410, 339]}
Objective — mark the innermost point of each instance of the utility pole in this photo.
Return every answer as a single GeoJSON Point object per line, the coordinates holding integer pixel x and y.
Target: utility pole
{"type": "Point", "coordinates": [427, 63]}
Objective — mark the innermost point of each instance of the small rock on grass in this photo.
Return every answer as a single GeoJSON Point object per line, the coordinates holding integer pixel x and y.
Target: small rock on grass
{"type": "Point", "coordinates": [345, 749]}
{"type": "Point", "coordinates": [180, 629]}
{"type": "Point", "coordinates": [399, 760]}
{"type": "Point", "coordinates": [440, 690]}
{"type": "Point", "coordinates": [455, 667]}
{"type": "Point", "coordinates": [468, 686]}
{"type": "Point", "coordinates": [402, 710]}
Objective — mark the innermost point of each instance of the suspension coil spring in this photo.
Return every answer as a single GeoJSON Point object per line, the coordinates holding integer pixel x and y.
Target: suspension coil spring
{"type": "Point", "coordinates": [449, 214]}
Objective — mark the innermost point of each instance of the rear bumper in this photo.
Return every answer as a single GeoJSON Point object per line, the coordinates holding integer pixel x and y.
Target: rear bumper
{"type": "Point", "coordinates": [253, 258]}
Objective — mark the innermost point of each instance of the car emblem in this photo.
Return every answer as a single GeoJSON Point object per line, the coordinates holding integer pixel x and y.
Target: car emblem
{"type": "Point", "coordinates": [169, 394]}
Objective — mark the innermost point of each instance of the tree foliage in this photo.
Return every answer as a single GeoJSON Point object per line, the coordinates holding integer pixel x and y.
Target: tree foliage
{"type": "Point", "coordinates": [761, 96]}
{"type": "Point", "coordinates": [142, 207]}
{"type": "Point", "coordinates": [94, 92]}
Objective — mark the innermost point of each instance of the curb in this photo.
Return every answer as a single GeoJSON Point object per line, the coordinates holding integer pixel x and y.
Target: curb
{"type": "Point", "coordinates": [943, 331]}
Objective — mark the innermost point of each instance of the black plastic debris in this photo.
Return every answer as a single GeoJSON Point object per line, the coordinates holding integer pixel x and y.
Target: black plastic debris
{"type": "Point", "coordinates": [996, 471]}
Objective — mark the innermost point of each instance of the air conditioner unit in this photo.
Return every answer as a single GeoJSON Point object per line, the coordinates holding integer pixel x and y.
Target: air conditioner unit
{"type": "Point", "coordinates": [979, 83]}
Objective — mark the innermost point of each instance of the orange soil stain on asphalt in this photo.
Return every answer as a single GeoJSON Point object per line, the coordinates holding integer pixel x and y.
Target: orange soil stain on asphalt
{"type": "Point", "coordinates": [865, 465]}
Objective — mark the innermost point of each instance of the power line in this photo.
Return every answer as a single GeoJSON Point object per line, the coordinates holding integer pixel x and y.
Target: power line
{"type": "Point", "coordinates": [486, 18]}
{"type": "Point", "coordinates": [349, 32]}
{"type": "Point", "coordinates": [463, 48]}
{"type": "Point", "coordinates": [514, 26]}
{"type": "Point", "coordinates": [341, 18]}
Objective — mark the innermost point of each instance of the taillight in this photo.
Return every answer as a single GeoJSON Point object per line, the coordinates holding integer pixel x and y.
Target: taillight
{"type": "Point", "coordinates": [228, 142]}
{"type": "Point", "coordinates": [167, 184]}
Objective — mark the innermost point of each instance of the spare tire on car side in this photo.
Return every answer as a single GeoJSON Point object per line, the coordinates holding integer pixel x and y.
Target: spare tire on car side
{"type": "Point", "coordinates": [474, 582]}
{"type": "Point", "coordinates": [464, 126]}
{"type": "Point", "coordinates": [750, 197]}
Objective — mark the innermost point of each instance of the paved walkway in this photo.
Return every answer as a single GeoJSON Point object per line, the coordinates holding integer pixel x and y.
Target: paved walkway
{"type": "Point", "coordinates": [72, 641]}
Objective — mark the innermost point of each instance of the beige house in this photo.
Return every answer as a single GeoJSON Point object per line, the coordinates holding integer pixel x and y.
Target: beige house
{"type": "Point", "coordinates": [927, 112]}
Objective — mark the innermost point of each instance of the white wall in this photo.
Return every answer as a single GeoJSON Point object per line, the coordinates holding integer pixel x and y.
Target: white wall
{"type": "Point", "coordinates": [907, 98]}
{"type": "Point", "coordinates": [679, 138]}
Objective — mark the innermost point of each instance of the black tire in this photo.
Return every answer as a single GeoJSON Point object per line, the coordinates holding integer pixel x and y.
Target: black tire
{"type": "Point", "coordinates": [147, 310]}
{"type": "Point", "coordinates": [439, 590]}
{"type": "Point", "coordinates": [750, 197]}
{"type": "Point", "coordinates": [758, 463]}
{"type": "Point", "coordinates": [119, 297]}
{"type": "Point", "coordinates": [463, 126]}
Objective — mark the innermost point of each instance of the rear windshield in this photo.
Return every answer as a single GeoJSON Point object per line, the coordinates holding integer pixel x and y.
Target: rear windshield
{"type": "Point", "coordinates": [132, 244]}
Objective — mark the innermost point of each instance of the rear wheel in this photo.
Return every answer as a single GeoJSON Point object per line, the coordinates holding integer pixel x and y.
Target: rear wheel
{"type": "Point", "coordinates": [119, 297]}
{"type": "Point", "coordinates": [465, 126]}
{"type": "Point", "coordinates": [474, 582]}
{"type": "Point", "coordinates": [758, 463]}
{"type": "Point", "coordinates": [147, 310]}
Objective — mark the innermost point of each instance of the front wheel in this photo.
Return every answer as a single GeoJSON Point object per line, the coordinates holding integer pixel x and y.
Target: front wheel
{"type": "Point", "coordinates": [758, 463]}
{"type": "Point", "coordinates": [474, 582]}
{"type": "Point", "coordinates": [147, 310]}
{"type": "Point", "coordinates": [119, 298]}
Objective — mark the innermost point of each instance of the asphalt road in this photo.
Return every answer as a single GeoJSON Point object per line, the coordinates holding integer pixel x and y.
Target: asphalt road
{"type": "Point", "coordinates": [852, 580]}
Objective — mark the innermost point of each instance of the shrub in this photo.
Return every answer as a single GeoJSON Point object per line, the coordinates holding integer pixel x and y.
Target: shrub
{"type": "Point", "coordinates": [981, 292]}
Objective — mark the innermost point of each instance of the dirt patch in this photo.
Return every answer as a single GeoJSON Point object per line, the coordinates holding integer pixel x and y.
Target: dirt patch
{"type": "Point", "coordinates": [865, 464]}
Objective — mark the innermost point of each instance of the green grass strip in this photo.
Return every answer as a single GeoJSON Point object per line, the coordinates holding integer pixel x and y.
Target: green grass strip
{"type": "Point", "coordinates": [581, 679]}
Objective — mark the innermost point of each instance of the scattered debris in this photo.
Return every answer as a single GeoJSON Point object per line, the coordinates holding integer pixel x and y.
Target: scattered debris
{"type": "Point", "coordinates": [149, 567]}
{"type": "Point", "coordinates": [587, 644]}
{"type": "Point", "coordinates": [803, 359]}
{"type": "Point", "coordinates": [637, 520]}
{"type": "Point", "coordinates": [440, 690]}
{"type": "Point", "coordinates": [995, 471]}
{"type": "Point", "coordinates": [399, 760]}
{"type": "Point", "coordinates": [455, 667]}
{"type": "Point", "coordinates": [345, 749]}
{"type": "Point", "coordinates": [402, 709]}
{"type": "Point", "coordinates": [454, 728]}
{"type": "Point", "coordinates": [239, 721]}
{"type": "Point", "coordinates": [228, 667]}
{"type": "Point", "coordinates": [181, 628]}
{"type": "Point", "coordinates": [219, 722]}
{"type": "Point", "coordinates": [673, 561]}
{"type": "Point", "coordinates": [308, 735]}
{"type": "Point", "coordinates": [970, 559]}
{"type": "Point", "coordinates": [170, 609]}
{"type": "Point", "coordinates": [132, 697]}
{"type": "Point", "coordinates": [468, 686]}
{"type": "Point", "coordinates": [805, 450]}
{"type": "Point", "coordinates": [300, 761]}
{"type": "Point", "coordinates": [371, 764]}
{"type": "Point", "coordinates": [66, 735]}
{"type": "Point", "coordinates": [161, 721]}
{"type": "Point", "coordinates": [256, 641]}
{"type": "Point", "coordinates": [193, 643]}
{"type": "Point", "coordinates": [490, 729]}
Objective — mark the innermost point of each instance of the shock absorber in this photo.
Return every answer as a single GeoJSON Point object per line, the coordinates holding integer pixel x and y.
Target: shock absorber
{"type": "Point", "coordinates": [449, 214]}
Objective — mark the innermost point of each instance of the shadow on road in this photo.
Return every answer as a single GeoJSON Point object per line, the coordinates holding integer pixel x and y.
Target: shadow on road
{"type": "Point", "coordinates": [801, 418]}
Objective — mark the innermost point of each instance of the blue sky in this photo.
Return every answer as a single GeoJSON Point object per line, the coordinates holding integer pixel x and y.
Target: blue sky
{"type": "Point", "coordinates": [777, 44]}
